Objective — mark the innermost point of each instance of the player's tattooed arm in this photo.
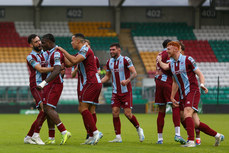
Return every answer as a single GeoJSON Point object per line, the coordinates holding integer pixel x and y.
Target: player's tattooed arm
{"type": "Point", "coordinates": [57, 69]}
{"type": "Point", "coordinates": [132, 76]}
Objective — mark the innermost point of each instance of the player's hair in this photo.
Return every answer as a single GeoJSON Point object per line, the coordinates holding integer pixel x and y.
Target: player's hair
{"type": "Point", "coordinates": [182, 45]}
{"type": "Point", "coordinates": [80, 36]}
{"type": "Point", "coordinates": [174, 43]}
{"type": "Point", "coordinates": [164, 44]}
{"type": "Point", "coordinates": [31, 37]}
{"type": "Point", "coordinates": [88, 41]}
{"type": "Point", "coordinates": [49, 36]}
{"type": "Point", "coordinates": [116, 45]}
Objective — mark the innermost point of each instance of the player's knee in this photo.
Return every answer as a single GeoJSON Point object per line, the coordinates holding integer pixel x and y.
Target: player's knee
{"type": "Point", "coordinates": [162, 108]}
{"type": "Point", "coordinates": [128, 115]}
{"type": "Point", "coordinates": [115, 113]}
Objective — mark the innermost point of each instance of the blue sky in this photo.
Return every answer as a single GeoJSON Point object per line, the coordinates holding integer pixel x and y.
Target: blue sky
{"type": "Point", "coordinates": [98, 2]}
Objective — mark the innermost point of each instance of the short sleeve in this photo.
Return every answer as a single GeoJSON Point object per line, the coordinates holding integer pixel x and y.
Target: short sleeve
{"type": "Point", "coordinates": [83, 51]}
{"type": "Point", "coordinates": [107, 65]}
{"type": "Point", "coordinates": [57, 58]}
{"type": "Point", "coordinates": [192, 63]}
{"type": "Point", "coordinates": [128, 62]}
{"type": "Point", "coordinates": [31, 61]}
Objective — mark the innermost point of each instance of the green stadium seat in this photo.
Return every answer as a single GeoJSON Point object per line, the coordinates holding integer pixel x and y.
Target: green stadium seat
{"type": "Point", "coordinates": [2, 93]}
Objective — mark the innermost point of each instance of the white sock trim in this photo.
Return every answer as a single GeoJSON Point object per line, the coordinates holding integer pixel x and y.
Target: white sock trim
{"type": "Point", "coordinates": [160, 137]}
{"type": "Point", "coordinates": [118, 136]}
{"type": "Point", "coordinates": [177, 130]}
{"type": "Point", "coordinates": [59, 124]}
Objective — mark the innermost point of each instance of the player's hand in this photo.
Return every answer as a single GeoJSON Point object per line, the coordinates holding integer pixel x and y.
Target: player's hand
{"type": "Point", "coordinates": [39, 88]}
{"type": "Point", "coordinates": [204, 88]}
{"type": "Point", "coordinates": [175, 103]}
{"type": "Point", "coordinates": [60, 49]}
{"type": "Point", "coordinates": [41, 85]}
{"type": "Point", "coordinates": [125, 82]}
{"type": "Point", "coordinates": [159, 58]}
{"type": "Point", "coordinates": [62, 66]}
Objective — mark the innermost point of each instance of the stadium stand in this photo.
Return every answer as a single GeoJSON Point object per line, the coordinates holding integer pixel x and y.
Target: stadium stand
{"type": "Point", "coordinates": [14, 50]}
{"type": "Point", "coordinates": [208, 46]}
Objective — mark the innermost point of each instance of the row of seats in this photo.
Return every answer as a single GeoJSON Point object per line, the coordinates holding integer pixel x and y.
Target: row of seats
{"type": "Point", "coordinates": [200, 50]}
{"type": "Point", "coordinates": [58, 29]}
{"type": "Point", "coordinates": [216, 96]}
{"type": "Point", "coordinates": [214, 70]}
{"type": "Point", "coordinates": [212, 33]}
{"type": "Point", "coordinates": [181, 30]}
{"type": "Point", "coordinates": [92, 29]}
{"type": "Point", "coordinates": [149, 60]}
{"type": "Point", "coordinates": [14, 54]}
{"type": "Point", "coordinates": [220, 49]}
{"type": "Point", "coordinates": [152, 43]}
{"type": "Point", "coordinates": [16, 75]}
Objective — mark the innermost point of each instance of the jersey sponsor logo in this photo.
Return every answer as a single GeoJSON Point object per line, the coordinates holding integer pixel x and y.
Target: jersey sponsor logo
{"type": "Point", "coordinates": [117, 70]}
{"type": "Point", "coordinates": [57, 59]}
{"type": "Point", "coordinates": [179, 72]}
{"type": "Point", "coordinates": [188, 102]}
{"type": "Point", "coordinates": [126, 103]}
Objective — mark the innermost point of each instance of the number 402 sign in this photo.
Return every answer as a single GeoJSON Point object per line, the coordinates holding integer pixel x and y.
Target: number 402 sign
{"type": "Point", "coordinates": [153, 13]}
{"type": "Point", "coordinates": [74, 13]}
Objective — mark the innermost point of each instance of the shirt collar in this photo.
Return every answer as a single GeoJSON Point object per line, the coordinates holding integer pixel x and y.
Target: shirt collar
{"type": "Point", "coordinates": [179, 59]}
{"type": "Point", "coordinates": [51, 50]}
{"type": "Point", "coordinates": [35, 53]}
{"type": "Point", "coordinates": [117, 58]}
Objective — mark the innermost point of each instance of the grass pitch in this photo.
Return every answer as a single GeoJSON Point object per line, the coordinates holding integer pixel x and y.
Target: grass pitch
{"type": "Point", "coordinates": [14, 128]}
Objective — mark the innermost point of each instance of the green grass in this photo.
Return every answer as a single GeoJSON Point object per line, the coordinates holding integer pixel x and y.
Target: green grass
{"type": "Point", "coordinates": [15, 127]}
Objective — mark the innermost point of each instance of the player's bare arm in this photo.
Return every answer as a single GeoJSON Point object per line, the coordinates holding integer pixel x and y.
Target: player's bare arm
{"type": "Point", "coordinates": [73, 73]}
{"type": "Point", "coordinates": [43, 69]}
{"type": "Point", "coordinates": [133, 74]}
{"type": "Point", "coordinates": [106, 77]}
{"type": "Point", "coordinates": [173, 93]}
{"type": "Point", "coordinates": [164, 66]}
{"type": "Point", "coordinates": [67, 62]}
{"type": "Point", "coordinates": [73, 59]}
{"type": "Point", "coordinates": [202, 80]}
{"type": "Point", "coordinates": [55, 72]}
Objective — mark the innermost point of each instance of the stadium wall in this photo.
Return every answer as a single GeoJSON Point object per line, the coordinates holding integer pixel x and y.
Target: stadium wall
{"type": "Point", "coordinates": [128, 14]}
